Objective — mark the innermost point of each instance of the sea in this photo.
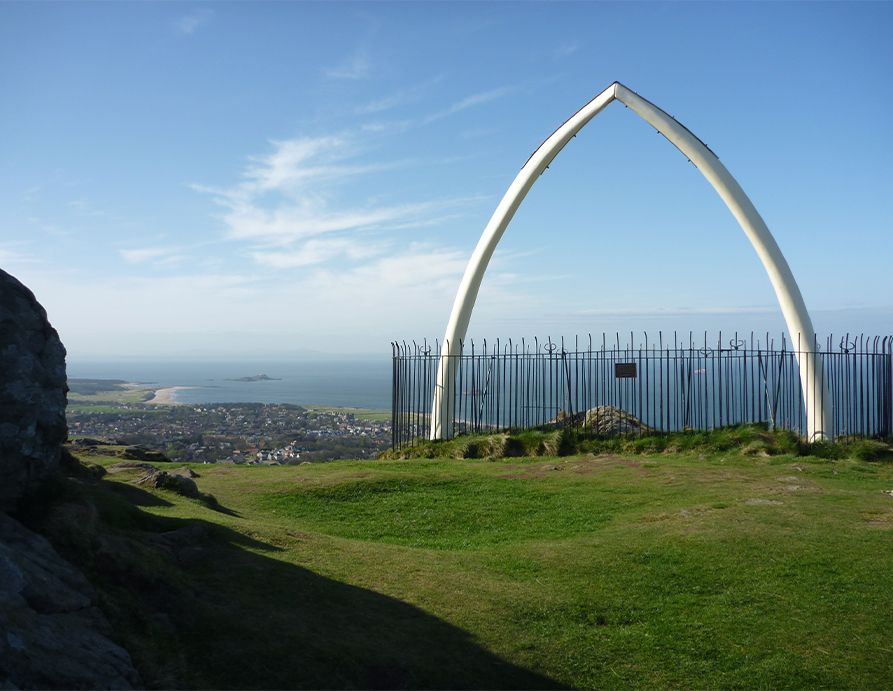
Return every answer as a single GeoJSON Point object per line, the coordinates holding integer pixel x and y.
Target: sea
{"type": "Point", "coordinates": [337, 383]}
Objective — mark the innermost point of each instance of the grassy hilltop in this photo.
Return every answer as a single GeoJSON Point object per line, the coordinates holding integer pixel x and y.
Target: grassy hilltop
{"type": "Point", "coordinates": [696, 568]}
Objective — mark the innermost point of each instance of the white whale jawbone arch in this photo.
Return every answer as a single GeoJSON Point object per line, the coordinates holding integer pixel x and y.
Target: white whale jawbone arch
{"type": "Point", "coordinates": [817, 403]}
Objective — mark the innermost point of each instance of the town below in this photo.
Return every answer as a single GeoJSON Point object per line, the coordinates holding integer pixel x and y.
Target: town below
{"type": "Point", "coordinates": [117, 412]}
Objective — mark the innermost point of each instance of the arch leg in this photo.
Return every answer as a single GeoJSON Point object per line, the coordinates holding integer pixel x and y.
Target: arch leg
{"type": "Point", "coordinates": [790, 300]}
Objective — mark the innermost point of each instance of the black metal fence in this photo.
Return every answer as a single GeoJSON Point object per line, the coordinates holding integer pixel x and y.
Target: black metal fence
{"type": "Point", "coordinates": [668, 385]}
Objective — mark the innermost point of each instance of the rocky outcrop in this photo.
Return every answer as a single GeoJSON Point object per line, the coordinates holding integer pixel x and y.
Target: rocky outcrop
{"type": "Point", "coordinates": [603, 421]}
{"type": "Point", "coordinates": [32, 393]}
{"type": "Point", "coordinates": [51, 633]}
{"type": "Point", "coordinates": [606, 421]}
{"type": "Point", "coordinates": [179, 483]}
{"type": "Point", "coordinates": [87, 442]}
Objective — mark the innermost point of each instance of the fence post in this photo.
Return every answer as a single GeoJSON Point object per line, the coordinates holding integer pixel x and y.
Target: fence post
{"type": "Point", "coordinates": [886, 430]}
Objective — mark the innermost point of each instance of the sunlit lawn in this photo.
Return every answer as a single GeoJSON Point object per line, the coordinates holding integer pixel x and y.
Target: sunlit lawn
{"type": "Point", "coordinates": [665, 570]}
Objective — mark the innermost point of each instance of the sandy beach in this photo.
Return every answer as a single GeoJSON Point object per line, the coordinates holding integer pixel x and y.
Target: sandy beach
{"type": "Point", "coordinates": [166, 396]}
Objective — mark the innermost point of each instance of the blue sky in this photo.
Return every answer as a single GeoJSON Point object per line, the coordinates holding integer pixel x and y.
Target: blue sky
{"type": "Point", "coordinates": [265, 180]}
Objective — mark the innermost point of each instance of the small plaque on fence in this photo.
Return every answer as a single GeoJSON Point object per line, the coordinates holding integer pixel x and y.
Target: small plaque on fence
{"type": "Point", "coordinates": [625, 370]}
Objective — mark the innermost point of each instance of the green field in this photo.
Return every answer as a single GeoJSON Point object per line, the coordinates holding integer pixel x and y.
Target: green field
{"type": "Point", "coordinates": [105, 395]}
{"type": "Point", "coordinates": [654, 570]}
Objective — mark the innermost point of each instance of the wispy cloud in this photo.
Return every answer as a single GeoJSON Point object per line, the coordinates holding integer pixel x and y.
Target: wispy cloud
{"type": "Point", "coordinates": [49, 228]}
{"type": "Point", "coordinates": [406, 292]}
{"type": "Point", "coordinates": [565, 50]}
{"type": "Point", "coordinates": [155, 255]}
{"type": "Point", "coordinates": [398, 99]}
{"type": "Point", "coordinates": [308, 160]}
{"type": "Point", "coordinates": [383, 104]}
{"type": "Point", "coordinates": [316, 251]}
{"type": "Point", "coordinates": [288, 198]}
{"type": "Point", "coordinates": [83, 207]}
{"type": "Point", "coordinates": [386, 126]}
{"type": "Point", "coordinates": [314, 207]}
{"type": "Point", "coordinates": [187, 24]}
{"type": "Point", "coordinates": [406, 97]}
{"type": "Point", "coordinates": [420, 267]}
{"type": "Point", "coordinates": [9, 254]}
{"type": "Point", "coordinates": [308, 218]}
{"type": "Point", "coordinates": [356, 66]}
{"type": "Point", "coordinates": [677, 311]}
{"type": "Point", "coordinates": [469, 102]}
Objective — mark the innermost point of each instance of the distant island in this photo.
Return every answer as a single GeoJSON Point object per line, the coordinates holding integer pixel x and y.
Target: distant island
{"type": "Point", "coordinates": [256, 377]}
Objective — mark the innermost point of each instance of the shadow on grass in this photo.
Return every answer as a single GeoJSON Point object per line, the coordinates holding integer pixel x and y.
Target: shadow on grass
{"type": "Point", "coordinates": [137, 496]}
{"type": "Point", "coordinates": [214, 505]}
{"type": "Point", "coordinates": [199, 605]}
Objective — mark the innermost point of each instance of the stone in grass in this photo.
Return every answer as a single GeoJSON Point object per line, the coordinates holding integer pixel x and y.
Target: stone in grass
{"type": "Point", "coordinates": [603, 421]}
{"type": "Point", "coordinates": [607, 421]}
{"type": "Point", "coordinates": [179, 481]}
{"type": "Point", "coordinates": [161, 479]}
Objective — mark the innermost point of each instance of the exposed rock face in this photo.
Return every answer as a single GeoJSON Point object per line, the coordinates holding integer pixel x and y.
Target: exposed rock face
{"type": "Point", "coordinates": [51, 633]}
{"type": "Point", "coordinates": [32, 392]}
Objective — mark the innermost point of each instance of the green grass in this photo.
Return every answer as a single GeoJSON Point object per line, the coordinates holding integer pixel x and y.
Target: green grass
{"type": "Point", "coordinates": [422, 511]}
{"type": "Point", "coordinates": [749, 440]}
{"type": "Point", "coordinates": [112, 398]}
{"type": "Point", "coordinates": [690, 569]}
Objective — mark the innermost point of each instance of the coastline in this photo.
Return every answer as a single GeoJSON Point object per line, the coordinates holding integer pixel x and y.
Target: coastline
{"type": "Point", "coordinates": [167, 395]}
{"type": "Point", "coordinates": [362, 384]}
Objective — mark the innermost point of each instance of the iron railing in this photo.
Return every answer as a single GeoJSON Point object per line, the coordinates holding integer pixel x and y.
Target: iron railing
{"type": "Point", "coordinates": [667, 384]}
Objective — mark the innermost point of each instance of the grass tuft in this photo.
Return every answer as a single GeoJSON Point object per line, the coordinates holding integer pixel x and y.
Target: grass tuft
{"type": "Point", "coordinates": [749, 440]}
